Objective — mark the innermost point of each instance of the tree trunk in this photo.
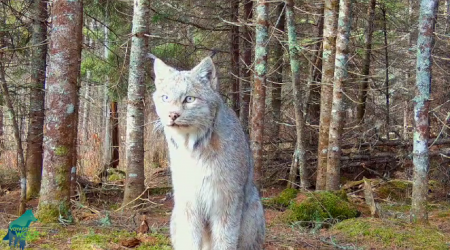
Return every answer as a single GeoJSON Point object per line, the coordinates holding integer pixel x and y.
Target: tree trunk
{"type": "Point", "coordinates": [313, 98]}
{"type": "Point", "coordinates": [86, 109]}
{"type": "Point", "coordinates": [337, 108]}
{"type": "Point", "coordinates": [386, 72]}
{"type": "Point", "coordinates": [37, 95]}
{"type": "Point", "coordinates": [299, 157]}
{"type": "Point", "coordinates": [425, 41]}
{"type": "Point", "coordinates": [361, 107]}
{"type": "Point", "coordinates": [447, 17]}
{"type": "Point", "coordinates": [278, 79]}
{"type": "Point", "coordinates": [259, 88]}
{"type": "Point", "coordinates": [107, 145]}
{"type": "Point", "coordinates": [234, 48]}
{"type": "Point", "coordinates": [245, 88]}
{"type": "Point", "coordinates": [107, 136]}
{"type": "Point", "coordinates": [135, 109]}
{"type": "Point", "coordinates": [61, 116]}
{"type": "Point", "coordinates": [114, 116]}
{"type": "Point", "coordinates": [326, 93]}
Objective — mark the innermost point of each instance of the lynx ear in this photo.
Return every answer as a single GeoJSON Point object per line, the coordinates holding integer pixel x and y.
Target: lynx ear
{"type": "Point", "coordinates": [205, 72]}
{"type": "Point", "coordinates": [161, 69]}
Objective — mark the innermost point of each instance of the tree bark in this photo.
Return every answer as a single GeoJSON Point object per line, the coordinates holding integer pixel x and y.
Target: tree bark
{"type": "Point", "coordinates": [337, 108]}
{"type": "Point", "coordinates": [361, 107]}
{"type": "Point", "coordinates": [299, 157]}
{"type": "Point", "coordinates": [386, 71]}
{"type": "Point", "coordinates": [259, 88]}
{"type": "Point", "coordinates": [313, 99]}
{"type": "Point", "coordinates": [114, 116]}
{"type": "Point", "coordinates": [278, 79]}
{"type": "Point", "coordinates": [447, 17]}
{"type": "Point", "coordinates": [425, 41]}
{"type": "Point", "coordinates": [245, 88]}
{"type": "Point", "coordinates": [61, 116]}
{"type": "Point", "coordinates": [326, 93]}
{"type": "Point", "coordinates": [37, 99]}
{"type": "Point", "coordinates": [234, 48]}
{"type": "Point", "coordinates": [135, 109]}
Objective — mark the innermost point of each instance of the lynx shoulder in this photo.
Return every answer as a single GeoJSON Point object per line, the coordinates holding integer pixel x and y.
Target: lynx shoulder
{"type": "Point", "coordinates": [217, 205]}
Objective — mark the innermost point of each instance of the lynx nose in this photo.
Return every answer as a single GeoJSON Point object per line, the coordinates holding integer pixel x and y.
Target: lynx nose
{"type": "Point", "coordinates": [174, 115]}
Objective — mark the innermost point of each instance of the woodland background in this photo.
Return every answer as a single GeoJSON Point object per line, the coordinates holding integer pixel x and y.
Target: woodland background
{"type": "Point", "coordinates": [345, 96]}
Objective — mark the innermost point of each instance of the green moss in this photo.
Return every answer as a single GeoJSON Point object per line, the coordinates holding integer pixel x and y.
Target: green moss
{"type": "Point", "coordinates": [116, 177]}
{"type": "Point", "coordinates": [282, 200]}
{"type": "Point", "coordinates": [61, 151]}
{"type": "Point", "coordinates": [51, 212]}
{"type": "Point", "coordinates": [320, 207]}
{"type": "Point", "coordinates": [47, 213]}
{"type": "Point", "coordinates": [389, 234]}
{"type": "Point", "coordinates": [396, 190]}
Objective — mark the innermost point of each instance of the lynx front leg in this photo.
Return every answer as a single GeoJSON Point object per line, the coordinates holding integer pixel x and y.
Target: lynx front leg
{"type": "Point", "coordinates": [185, 230]}
{"type": "Point", "coordinates": [226, 226]}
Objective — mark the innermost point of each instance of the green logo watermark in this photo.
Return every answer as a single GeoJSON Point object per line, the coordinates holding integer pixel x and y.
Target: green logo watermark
{"type": "Point", "coordinates": [18, 229]}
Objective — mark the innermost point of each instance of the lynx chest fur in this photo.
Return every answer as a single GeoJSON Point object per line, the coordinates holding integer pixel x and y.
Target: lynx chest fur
{"type": "Point", "coordinates": [217, 205]}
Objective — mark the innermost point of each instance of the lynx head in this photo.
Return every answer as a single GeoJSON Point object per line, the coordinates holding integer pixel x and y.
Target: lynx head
{"type": "Point", "coordinates": [186, 101]}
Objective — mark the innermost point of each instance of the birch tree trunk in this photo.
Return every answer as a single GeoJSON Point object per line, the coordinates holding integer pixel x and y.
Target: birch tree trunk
{"type": "Point", "coordinates": [61, 116]}
{"type": "Point", "coordinates": [361, 107]}
{"type": "Point", "coordinates": [299, 159]}
{"type": "Point", "coordinates": [37, 95]}
{"type": "Point", "coordinates": [245, 88]}
{"type": "Point", "coordinates": [259, 88]}
{"type": "Point", "coordinates": [425, 41]}
{"type": "Point", "coordinates": [337, 108]}
{"type": "Point", "coordinates": [326, 93]}
{"type": "Point", "coordinates": [135, 109]}
{"type": "Point", "coordinates": [235, 56]}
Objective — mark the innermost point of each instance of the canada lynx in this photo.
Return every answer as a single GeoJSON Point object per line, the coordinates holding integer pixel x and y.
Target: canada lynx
{"type": "Point", "coordinates": [217, 206]}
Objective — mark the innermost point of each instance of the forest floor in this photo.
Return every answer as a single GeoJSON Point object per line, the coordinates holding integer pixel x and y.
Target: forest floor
{"type": "Point", "coordinates": [98, 225]}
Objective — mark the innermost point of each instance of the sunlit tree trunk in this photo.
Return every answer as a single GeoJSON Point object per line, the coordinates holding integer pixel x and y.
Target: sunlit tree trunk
{"type": "Point", "coordinates": [425, 41]}
{"type": "Point", "coordinates": [299, 160]}
{"type": "Point", "coordinates": [259, 87]}
{"type": "Point", "coordinates": [337, 108]}
{"type": "Point", "coordinates": [36, 115]}
{"type": "Point", "coordinates": [134, 185]}
{"type": "Point", "coordinates": [245, 88]}
{"type": "Point", "coordinates": [326, 93]}
{"type": "Point", "coordinates": [363, 88]}
{"type": "Point", "coordinates": [61, 110]}
{"type": "Point", "coordinates": [235, 56]}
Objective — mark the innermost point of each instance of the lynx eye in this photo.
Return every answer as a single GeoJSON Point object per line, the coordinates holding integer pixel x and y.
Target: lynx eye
{"type": "Point", "coordinates": [189, 99]}
{"type": "Point", "coordinates": [165, 98]}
